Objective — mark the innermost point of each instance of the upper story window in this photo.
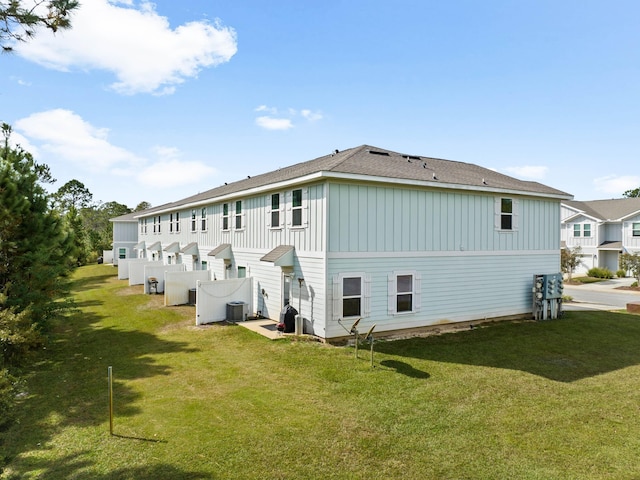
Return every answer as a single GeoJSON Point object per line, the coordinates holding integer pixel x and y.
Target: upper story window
{"type": "Point", "coordinates": [580, 229]}
{"type": "Point", "coordinates": [225, 216]}
{"type": "Point", "coordinates": [506, 214]}
{"type": "Point", "coordinates": [177, 222]}
{"type": "Point", "coordinates": [194, 221]}
{"type": "Point", "coordinates": [586, 230]}
{"type": "Point", "coordinates": [203, 219]}
{"type": "Point", "coordinates": [296, 208]}
{"type": "Point", "coordinates": [576, 230]}
{"type": "Point", "coordinates": [238, 215]}
{"type": "Point", "coordinates": [143, 225]}
{"type": "Point", "coordinates": [404, 292]}
{"type": "Point", "coordinates": [635, 229]}
{"type": "Point", "coordinates": [275, 214]}
{"type": "Point", "coordinates": [156, 224]}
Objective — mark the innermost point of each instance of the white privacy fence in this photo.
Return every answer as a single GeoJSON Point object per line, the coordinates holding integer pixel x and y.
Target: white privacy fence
{"type": "Point", "coordinates": [137, 270]}
{"type": "Point", "coordinates": [124, 267]}
{"type": "Point", "coordinates": [178, 284]}
{"type": "Point", "coordinates": [214, 295]}
{"type": "Point", "coordinates": [159, 271]}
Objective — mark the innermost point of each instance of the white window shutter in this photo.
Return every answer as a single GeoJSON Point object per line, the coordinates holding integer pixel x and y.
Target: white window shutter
{"type": "Point", "coordinates": [282, 204]}
{"type": "Point", "coordinates": [498, 213]}
{"type": "Point", "coordinates": [267, 202]}
{"type": "Point", "coordinates": [288, 200]}
{"type": "Point", "coordinates": [391, 293]}
{"type": "Point", "coordinates": [305, 206]}
{"type": "Point", "coordinates": [417, 292]}
{"type": "Point", "coordinates": [366, 301]}
{"type": "Point", "coordinates": [337, 296]}
{"type": "Point", "coordinates": [516, 214]}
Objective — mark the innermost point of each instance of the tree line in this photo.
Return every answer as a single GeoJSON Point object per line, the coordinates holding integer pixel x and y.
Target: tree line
{"type": "Point", "coordinates": [43, 238]}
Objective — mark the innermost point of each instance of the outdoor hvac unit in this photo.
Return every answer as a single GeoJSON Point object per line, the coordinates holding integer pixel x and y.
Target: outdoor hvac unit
{"type": "Point", "coordinates": [237, 311]}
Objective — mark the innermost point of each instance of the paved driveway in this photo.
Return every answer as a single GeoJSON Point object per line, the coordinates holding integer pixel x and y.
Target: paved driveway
{"type": "Point", "coordinates": [601, 296]}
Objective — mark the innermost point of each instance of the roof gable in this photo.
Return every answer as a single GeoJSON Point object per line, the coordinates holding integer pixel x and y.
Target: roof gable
{"type": "Point", "coordinates": [607, 210]}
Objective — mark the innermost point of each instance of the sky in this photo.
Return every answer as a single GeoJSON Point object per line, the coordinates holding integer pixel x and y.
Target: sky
{"type": "Point", "coordinates": [158, 101]}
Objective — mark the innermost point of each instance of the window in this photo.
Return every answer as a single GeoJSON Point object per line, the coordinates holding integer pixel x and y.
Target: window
{"type": "Point", "coordinates": [122, 253]}
{"type": "Point", "coordinates": [203, 219]}
{"type": "Point", "coordinates": [404, 292]}
{"type": "Point", "coordinates": [506, 214]}
{"type": "Point", "coordinates": [238, 215]}
{"type": "Point", "coordinates": [635, 229]}
{"type": "Point", "coordinates": [576, 229]}
{"type": "Point", "coordinates": [177, 227]}
{"type": "Point", "coordinates": [203, 265]}
{"type": "Point", "coordinates": [275, 210]}
{"type": "Point", "coordinates": [171, 222]}
{"type": "Point", "coordinates": [351, 296]}
{"type": "Point", "coordinates": [296, 208]}
{"type": "Point", "coordinates": [242, 272]}
{"type": "Point", "coordinates": [194, 222]}
{"type": "Point", "coordinates": [156, 227]}
{"type": "Point", "coordinates": [404, 295]}
{"type": "Point", "coordinates": [141, 224]}
{"type": "Point", "coordinates": [159, 224]}
{"type": "Point", "coordinates": [586, 230]}
{"type": "Point", "coordinates": [225, 216]}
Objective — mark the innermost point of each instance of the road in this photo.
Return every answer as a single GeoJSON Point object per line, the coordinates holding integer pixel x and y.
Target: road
{"type": "Point", "coordinates": [600, 296]}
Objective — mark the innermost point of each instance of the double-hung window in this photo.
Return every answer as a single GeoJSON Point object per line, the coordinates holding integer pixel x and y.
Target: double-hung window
{"type": "Point", "coordinates": [635, 229]}
{"type": "Point", "coordinates": [586, 230]}
{"type": "Point", "coordinates": [194, 221]}
{"type": "Point", "coordinates": [203, 219]}
{"type": "Point", "coordinates": [576, 230]}
{"type": "Point", "coordinates": [506, 214]}
{"type": "Point", "coordinates": [404, 292]}
{"type": "Point", "coordinates": [238, 215]}
{"type": "Point", "coordinates": [274, 220]}
{"type": "Point", "coordinates": [177, 223]}
{"type": "Point", "coordinates": [159, 223]}
{"type": "Point", "coordinates": [171, 223]}
{"type": "Point", "coordinates": [296, 208]}
{"type": "Point", "coordinates": [225, 216]}
{"type": "Point", "coordinates": [351, 296]}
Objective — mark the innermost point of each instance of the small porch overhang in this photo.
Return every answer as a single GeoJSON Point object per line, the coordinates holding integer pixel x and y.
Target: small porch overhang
{"type": "Point", "coordinates": [281, 256]}
{"type": "Point", "coordinates": [155, 247]}
{"type": "Point", "coordinates": [140, 245]}
{"type": "Point", "coordinates": [190, 249]}
{"type": "Point", "coordinates": [610, 246]}
{"type": "Point", "coordinates": [221, 252]}
{"type": "Point", "coordinates": [173, 248]}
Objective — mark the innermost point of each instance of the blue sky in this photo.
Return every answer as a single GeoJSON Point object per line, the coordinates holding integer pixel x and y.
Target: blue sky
{"type": "Point", "coordinates": [157, 101]}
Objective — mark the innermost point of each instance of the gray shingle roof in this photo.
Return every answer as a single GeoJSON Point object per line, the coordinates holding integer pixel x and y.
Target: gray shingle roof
{"type": "Point", "coordinates": [613, 209]}
{"type": "Point", "coordinates": [376, 162]}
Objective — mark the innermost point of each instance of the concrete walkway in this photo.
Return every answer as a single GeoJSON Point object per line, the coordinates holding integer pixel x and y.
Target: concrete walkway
{"type": "Point", "coordinates": [599, 295]}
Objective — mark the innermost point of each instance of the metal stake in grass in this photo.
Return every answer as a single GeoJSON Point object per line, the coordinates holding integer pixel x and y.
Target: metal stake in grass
{"type": "Point", "coordinates": [369, 336]}
{"type": "Point", "coordinates": [110, 381]}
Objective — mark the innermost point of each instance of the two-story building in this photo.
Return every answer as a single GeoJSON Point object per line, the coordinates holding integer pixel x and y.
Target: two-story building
{"type": "Point", "coordinates": [603, 229]}
{"type": "Point", "coordinates": [400, 241]}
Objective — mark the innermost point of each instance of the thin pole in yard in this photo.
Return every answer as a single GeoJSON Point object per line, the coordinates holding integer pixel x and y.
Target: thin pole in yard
{"type": "Point", "coordinates": [110, 380]}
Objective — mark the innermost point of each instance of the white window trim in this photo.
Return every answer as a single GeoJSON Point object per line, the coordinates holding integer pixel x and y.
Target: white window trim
{"type": "Point", "coordinates": [204, 221]}
{"type": "Point", "coordinates": [304, 208]}
{"type": "Point", "coordinates": [365, 288]}
{"type": "Point", "coordinates": [235, 215]}
{"type": "Point", "coordinates": [194, 220]}
{"type": "Point", "coordinates": [280, 210]}
{"type": "Point", "coordinates": [223, 216]}
{"type": "Point", "coordinates": [515, 214]}
{"type": "Point", "coordinates": [392, 282]}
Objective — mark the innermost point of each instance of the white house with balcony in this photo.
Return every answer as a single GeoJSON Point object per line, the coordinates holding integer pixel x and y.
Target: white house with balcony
{"type": "Point", "coordinates": [399, 241]}
{"type": "Point", "coordinates": [603, 229]}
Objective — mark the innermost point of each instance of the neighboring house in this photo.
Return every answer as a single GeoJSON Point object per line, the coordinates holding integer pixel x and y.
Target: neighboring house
{"type": "Point", "coordinates": [400, 241]}
{"type": "Point", "coordinates": [125, 236]}
{"type": "Point", "coordinates": [603, 229]}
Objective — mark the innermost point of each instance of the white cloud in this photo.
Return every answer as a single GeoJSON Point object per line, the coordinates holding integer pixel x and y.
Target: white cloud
{"type": "Point", "coordinates": [271, 123]}
{"type": "Point", "coordinates": [173, 172]}
{"type": "Point", "coordinates": [311, 116]}
{"type": "Point", "coordinates": [135, 43]}
{"type": "Point", "coordinates": [529, 172]}
{"type": "Point", "coordinates": [616, 185]}
{"type": "Point", "coordinates": [285, 122]}
{"type": "Point", "coordinates": [66, 135]}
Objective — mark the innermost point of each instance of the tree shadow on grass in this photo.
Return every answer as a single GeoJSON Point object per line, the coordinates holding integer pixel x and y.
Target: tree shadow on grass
{"type": "Point", "coordinates": [77, 467]}
{"type": "Point", "coordinates": [578, 346]}
{"type": "Point", "coordinates": [67, 385]}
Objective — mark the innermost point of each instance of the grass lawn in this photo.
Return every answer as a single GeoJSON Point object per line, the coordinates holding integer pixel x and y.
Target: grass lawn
{"type": "Point", "coordinates": [530, 400]}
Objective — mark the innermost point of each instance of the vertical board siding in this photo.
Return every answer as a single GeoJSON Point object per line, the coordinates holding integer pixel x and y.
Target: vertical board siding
{"type": "Point", "coordinates": [365, 218]}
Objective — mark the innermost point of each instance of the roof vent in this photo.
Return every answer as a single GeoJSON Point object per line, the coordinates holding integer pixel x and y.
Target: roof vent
{"type": "Point", "coordinates": [376, 152]}
{"type": "Point", "coordinates": [411, 157]}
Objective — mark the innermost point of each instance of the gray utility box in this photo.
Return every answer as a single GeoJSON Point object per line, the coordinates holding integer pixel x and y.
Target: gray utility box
{"type": "Point", "coordinates": [237, 311]}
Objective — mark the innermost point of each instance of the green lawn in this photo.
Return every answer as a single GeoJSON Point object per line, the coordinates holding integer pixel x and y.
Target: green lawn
{"type": "Point", "coordinates": [531, 400]}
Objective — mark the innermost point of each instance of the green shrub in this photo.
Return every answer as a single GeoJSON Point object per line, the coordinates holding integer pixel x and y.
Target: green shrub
{"type": "Point", "coordinates": [621, 273]}
{"type": "Point", "coordinates": [634, 284]}
{"type": "Point", "coordinates": [600, 272]}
